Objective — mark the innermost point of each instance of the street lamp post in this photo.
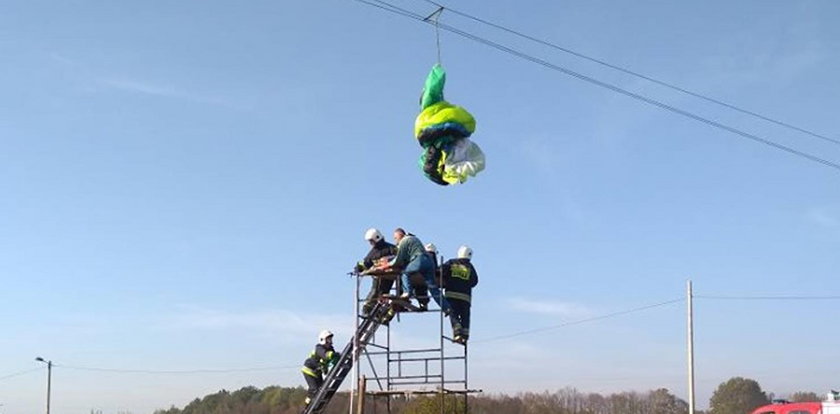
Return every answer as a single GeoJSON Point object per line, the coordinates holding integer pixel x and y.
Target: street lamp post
{"type": "Point", "coordinates": [49, 379]}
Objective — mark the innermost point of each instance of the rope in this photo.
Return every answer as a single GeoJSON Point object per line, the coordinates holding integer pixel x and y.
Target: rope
{"type": "Point", "coordinates": [436, 16]}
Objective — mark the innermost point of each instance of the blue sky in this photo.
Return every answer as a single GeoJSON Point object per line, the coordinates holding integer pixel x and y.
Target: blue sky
{"type": "Point", "coordinates": [185, 184]}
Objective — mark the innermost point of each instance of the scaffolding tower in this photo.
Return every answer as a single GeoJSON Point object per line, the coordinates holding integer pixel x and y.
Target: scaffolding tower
{"type": "Point", "coordinates": [395, 372]}
{"type": "Point", "coordinates": [439, 368]}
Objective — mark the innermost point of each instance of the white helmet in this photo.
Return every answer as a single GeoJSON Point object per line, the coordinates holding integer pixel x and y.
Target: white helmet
{"type": "Point", "coordinates": [322, 337]}
{"type": "Point", "coordinates": [464, 252]}
{"type": "Point", "coordinates": [431, 248]}
{"type": "Point", "coordinates": [373, 235]}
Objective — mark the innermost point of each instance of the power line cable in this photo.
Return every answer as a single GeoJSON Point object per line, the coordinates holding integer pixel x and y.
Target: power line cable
{"type": "Point", "coordinates": [638, 75]}
{"type": "Point", "coordinates": [391, 8]}
{"type": "Point", "coordinates": [17, 374]}
{"type": "Point", "coordinates": [724, 297]}
{"type": "Point", "coordinates": [175, 372]}
{"type": "Point", "coordinates": [394, 9]}
{"type": "Point", "coordinates": [578, 322]}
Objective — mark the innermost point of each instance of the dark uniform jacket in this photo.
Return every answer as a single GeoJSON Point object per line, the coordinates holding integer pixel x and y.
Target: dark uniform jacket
{"type": "Point", "coordinates": [319, 360]}
{"type": "Point", "coordinates": [459, 277]}
{"type": "Point", "coordinates": [379, 250]}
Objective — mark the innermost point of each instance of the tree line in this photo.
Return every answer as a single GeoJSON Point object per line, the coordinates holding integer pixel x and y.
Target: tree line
{"type": "Point", "coordinates": [735, 396]}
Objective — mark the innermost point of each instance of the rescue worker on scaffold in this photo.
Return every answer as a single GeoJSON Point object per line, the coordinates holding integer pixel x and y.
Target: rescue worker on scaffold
{"type": "Point", "coordinates": [381, 284]}
{"type": "Point", "coordinates": [459, 277]}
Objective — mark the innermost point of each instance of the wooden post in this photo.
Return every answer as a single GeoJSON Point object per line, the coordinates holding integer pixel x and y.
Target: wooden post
{"type": "Point", "coordinates": [689, 298]}
{"type": "Point", "coordinates": [360, 409]}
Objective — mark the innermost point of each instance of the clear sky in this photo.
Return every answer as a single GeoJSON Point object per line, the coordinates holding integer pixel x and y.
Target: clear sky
{"type": "Point", "coordinates": [183, 186]}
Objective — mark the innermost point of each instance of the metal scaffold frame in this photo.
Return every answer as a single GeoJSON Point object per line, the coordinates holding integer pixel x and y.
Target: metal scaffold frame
{"type": "Point", "coordinates": [408, 372]}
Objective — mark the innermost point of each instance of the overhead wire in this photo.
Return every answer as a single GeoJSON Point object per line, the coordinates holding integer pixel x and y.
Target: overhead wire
{"type": "Point", "coordinates": [637, 74]}
{"type": "Point", "coordinates": [407, 13]}
{"type": "Point", "coordinates": [578, 322]}
{"type": "Point", "coordinates": [389, 7]}
{"type": "Point", "coordinates": [175, 372]}
{"type": "Point", "coordinates": [490, 339]}
{"type": "Point", "coordinates": [725, 297]}
{"type": "Point", "coordinates": [17, 374]}
{"type": "Point", "coordinates": [655, 305]}
{"type": "Point", "coordinates": [273, 368]}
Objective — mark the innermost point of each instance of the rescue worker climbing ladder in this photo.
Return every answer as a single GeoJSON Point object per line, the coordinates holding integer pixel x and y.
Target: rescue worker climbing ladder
{"type": "Point", "coordinates": [320, 362]}
{"type": "Point", "coordinates": [331, 381]}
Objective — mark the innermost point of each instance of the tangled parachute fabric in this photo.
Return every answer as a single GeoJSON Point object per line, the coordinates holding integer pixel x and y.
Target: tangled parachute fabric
{"type": "Point", "coordinates": [443, 130]}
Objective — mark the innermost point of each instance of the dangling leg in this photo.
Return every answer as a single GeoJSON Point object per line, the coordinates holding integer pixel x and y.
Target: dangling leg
{"type": "Point", "coordinates": [431, 165]}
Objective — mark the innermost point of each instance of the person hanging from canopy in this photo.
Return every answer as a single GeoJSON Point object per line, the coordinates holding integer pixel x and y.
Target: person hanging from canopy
{"type": "Point", "coordinates": [443, 130]}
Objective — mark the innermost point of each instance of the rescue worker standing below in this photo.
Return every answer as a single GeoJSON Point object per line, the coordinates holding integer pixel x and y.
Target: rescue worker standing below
{"type": "Point", "coordinates": [381, 284]}
{"type": "Point", "coordinates": [319, 363]}
{"type": "Point", "coordinates": [458, 276]}
{"type": "Point", "coordinates": [412, 258]}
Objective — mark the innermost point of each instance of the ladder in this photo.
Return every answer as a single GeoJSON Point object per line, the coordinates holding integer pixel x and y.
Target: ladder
{"type": "Point", "coordinates": [378, 315]}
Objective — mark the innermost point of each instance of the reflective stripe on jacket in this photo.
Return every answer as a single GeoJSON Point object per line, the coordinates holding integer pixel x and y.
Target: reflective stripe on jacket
{"type": "Point", "coordinates": [319, 361]}
{"type": "Point", "coordinates": [457, 295]}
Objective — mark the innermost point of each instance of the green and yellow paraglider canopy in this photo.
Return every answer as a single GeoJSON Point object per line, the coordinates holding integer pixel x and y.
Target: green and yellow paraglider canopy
{"type": "Point", "coordinates": [443, 130]}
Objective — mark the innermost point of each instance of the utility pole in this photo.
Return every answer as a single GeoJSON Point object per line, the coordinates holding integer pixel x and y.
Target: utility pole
{"type": "Point", "coordinates": [690, 302]}
{"type": "Point", "coordinates": [49, 379]}
{"type": "Point", "coordinates": [354, 389]}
